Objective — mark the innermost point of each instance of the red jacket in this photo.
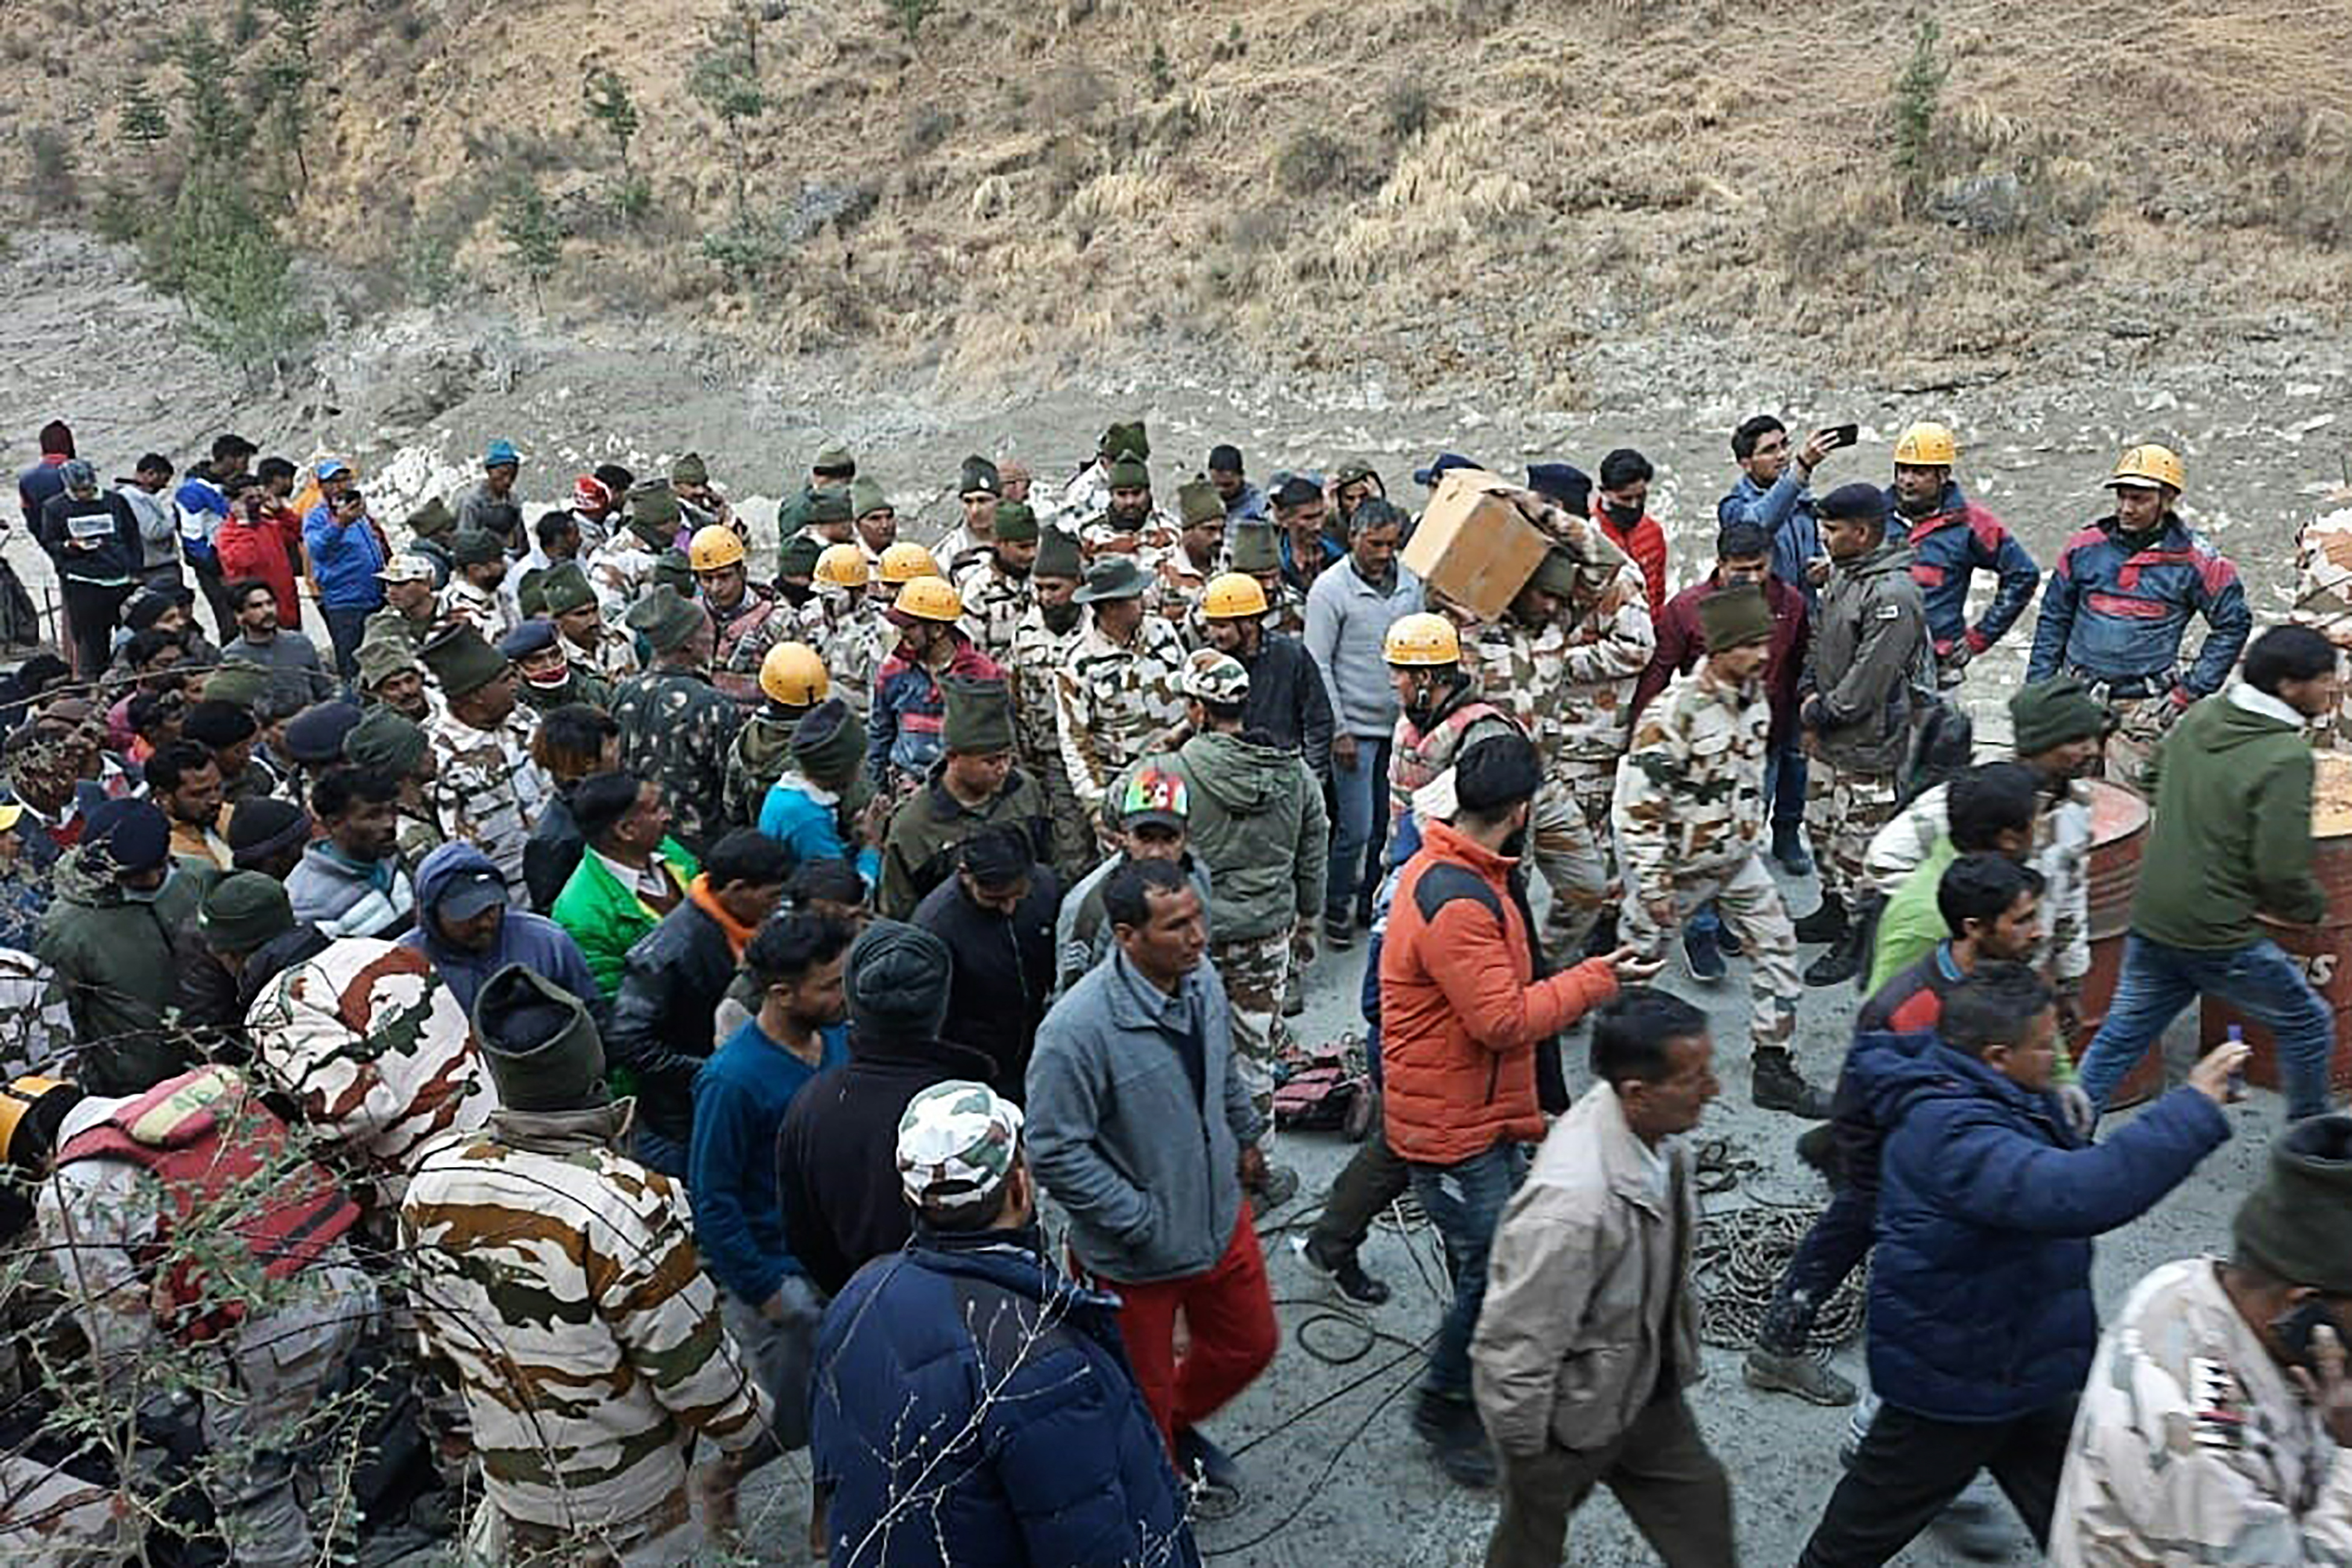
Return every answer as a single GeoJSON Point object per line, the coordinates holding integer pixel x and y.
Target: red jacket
{"type": "Point", "coordinates": [1645, 542]}
{"type": "Point", "coordinates": [1681, 645]}
{"type": "Point", "coordinates": [259, 552]}
{"type": "Point", "coordinates": [1461, 1010]}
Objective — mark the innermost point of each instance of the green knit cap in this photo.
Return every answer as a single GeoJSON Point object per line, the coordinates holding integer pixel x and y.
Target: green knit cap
{"type": "Point", "coordinates": [666, 617]}
{"type": "Point", "coordinates": [1128, 473]}
{"type": "Point", "coordinates": [384, 741]}
{"type": "Point", "coordinates": [476, 547]}
{"type": "Point", "coordinates": [564, 587]}
{"type": "Point", "coordinates": [866, 495]}
{"type": "Point", "coordinates": [977, 716]}
{"type": "Point", "coordinates": [1058, 551]}
{"type": "Point", "coordinates": [1197, 501]}
{"type": "Point", "coordinates": [831, 504]}
{"type": "Point", "coordinates": [1733, 616]}
{"type": "Point", "coordinates": [384, 655]}
{"type": "Point", "coordinates": [237, 680]}
{"type": "Point", "coordinates": [978, 476]}
{"type": "Point", "coordinates": [1251, 548]}
{"type": "Point", "coordinates": [2053, 711]}
{"type": "Point", "coordinates": [1016, 522]}
{"type": "Point", "coordinates": [540, 1043]}
{"type": "Point", "coordinates": [829, 748]}
{"type": "Point", "coordinates": [1556, 572]}
{"type": "Point", "coordinates": [432, 520]}
{"type": "Point", "coordinates": [673, 568]}
{"type": "Point", "coordinates": [2297, 1224]}
{"type": "Point", "coordinates": [461, 661]}
{"type": "Point", "coordinates": [653, 511]}
{"type": "Point", "coordinates": [1129, 436]}
{"type": "Point", "coordinates": [798, 557]}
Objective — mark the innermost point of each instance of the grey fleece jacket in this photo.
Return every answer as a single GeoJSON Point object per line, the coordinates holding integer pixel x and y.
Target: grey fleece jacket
{"type": "Point", "coordinates": [1110, 1103]}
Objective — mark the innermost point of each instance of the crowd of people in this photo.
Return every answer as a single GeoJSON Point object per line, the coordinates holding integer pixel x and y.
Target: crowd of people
{"type": "Point", "coordinates": [652, 1018]}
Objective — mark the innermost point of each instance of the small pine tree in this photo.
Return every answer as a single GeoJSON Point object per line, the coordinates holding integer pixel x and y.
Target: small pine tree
{"type": "Point", "coordinates": [289, 76]}
{"type": "Point", "coordinates": [143, 123]}
{"type": "Point", "coordinates": [610, 106]}
{"type": "Point", "coordinates": [533, 239]}
{"type": "Point", "coordinates": [727, 82]}
{"type": "Point", "coordinates": [911, 14]}
{"type": "Point", "coordinates": [1918, 92]}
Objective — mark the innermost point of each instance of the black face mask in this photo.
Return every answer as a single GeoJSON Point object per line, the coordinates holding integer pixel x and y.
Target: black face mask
{"type": "Point", "coordinates": [1515, 848]}
{"type": "Point", "coordinates": [1059, 618]}
{"type": "Point", "coordinates": [1623, 516]}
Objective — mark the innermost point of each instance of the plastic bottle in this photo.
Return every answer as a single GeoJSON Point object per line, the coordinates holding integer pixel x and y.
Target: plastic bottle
{"type": "Point", "coordinates": [2237, 1036]}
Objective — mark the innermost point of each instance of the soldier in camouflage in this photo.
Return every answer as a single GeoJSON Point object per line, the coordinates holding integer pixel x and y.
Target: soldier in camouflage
{"type": "Point", "coordinates": [969, 544]}
{"type": "Point", "coordinates": [1088, 490]}
{"type": "Point", "coordinates": [1607, 638]}
{"type": "Point", "coordinates": [843, 625]}
{"type": "Point", "coordinates": [472, 596]}
{"type": "Point", "coordinates": [1116, 690]}
{"type": "Point", "coordinates": [547, 677]}
{"type": "Point", "coordinates": [2323, 600]}
{"type": "Point", "coordinates": [622, 567]}
{"type": "Point", "coordinates": [1689, 815]}
{"type": "Point", "coordinates": [390, 744]}
{"type": "Point", "coordinates": [2214, 1425]}
{"type": "Point", "coordinates": [411, 608]}
{"type": "Point", "coordinates": [589, 640]}
{"type": "Point", "coordinates": [392, 675]}
{"type": "Point", "coordinates": [676, 728]}
{"type": "Point", "coordinates": [1041, 644]}
{"type": "Point", "coordinates": [793, 681]}
{"type": "Point", "coordinates": [559, 1278]}
{"type": "Point", "coordinates": [486, 788]}
{"type": "Point", "coordinates": [1183, 569]}
{"type": "Point", "coordinates": [996, 589]}
{"type": "Point", "coordinates": [1128, 524]}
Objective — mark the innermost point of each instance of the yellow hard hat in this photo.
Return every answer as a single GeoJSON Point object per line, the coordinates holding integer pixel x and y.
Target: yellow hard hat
{"type": "Point", "coordinates": [1235, 596]}
{"type": "Point", "coordinates": [926, 598]}
{"type": "Point", "coordinates": [1422, 641]}
{"type": "Point", "coordinates": [905, 563]}
{"type": "Point", "coordinates": [30, 1110]}
{"type": "Point", "coordinates": [714, 547]}
{"type": "Point", "coordinates": [841, 566]}
{"type": "Point", "coordinates": [1929, 445]}
{"type": "Point", "coordinates": [2149, 464]}
{"type": "Point", "coordinates": [793, 675]}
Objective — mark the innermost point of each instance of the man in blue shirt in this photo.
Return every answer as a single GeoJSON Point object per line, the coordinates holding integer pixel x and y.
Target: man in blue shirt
{"type": "Point", "coordinates": [740, 1095]}
{"type": "Point", "coordinates": [348, 552]}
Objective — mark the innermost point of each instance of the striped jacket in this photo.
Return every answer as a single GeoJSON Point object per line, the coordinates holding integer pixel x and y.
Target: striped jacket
{"type": "Point", "coordinates": [560, 1278]}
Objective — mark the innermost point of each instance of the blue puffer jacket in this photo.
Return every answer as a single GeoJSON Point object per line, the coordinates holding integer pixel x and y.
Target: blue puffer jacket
{"type": "Point", "coordinates": [1980, 1303]}
{"type": "Point", "coordinates": [1785, 513]}
{"type": "Point", "coordinates": [1948, 547]}
{"type": "Point", "coordinates": [1060, 1465]}
{"type": "Point", "coordinates": [2120, 614]}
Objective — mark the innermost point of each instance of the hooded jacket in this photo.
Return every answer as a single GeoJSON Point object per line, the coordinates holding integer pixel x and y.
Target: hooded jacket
{"type": "Point", "coordinates": [532, 940]}
{"type": "Point", "coordinates": [919, 852]}
{"type": "Point", "coordinates": [1948, 547]}
{"type": "Point", "coordinates": [1258, 824]}
{"type": "Point", "coordinates": [1980, 1306]}
{"type": "Point", "coordinates": [1288, 702]}
{"type": "Point", "coordinates": [113, 956]}
{"type": "Point", "coordinates": [1054, 1456]}
{"type": "Point", "coordinates": [2231, 834]}
{"type": "Point", "coordinates": [837, 1151]}
{"type": "Point", "coordinates": [1869, 649]}
{"type": "Point", "coordinates": [761, 753]}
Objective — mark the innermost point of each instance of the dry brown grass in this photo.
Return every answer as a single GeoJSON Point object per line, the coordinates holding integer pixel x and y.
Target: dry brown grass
{"type": "Point", "coordinates": [1329, 174]}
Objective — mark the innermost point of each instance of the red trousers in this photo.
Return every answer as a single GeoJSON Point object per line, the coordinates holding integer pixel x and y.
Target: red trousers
{"type": "Point", "coordinates": [1228, 1318]}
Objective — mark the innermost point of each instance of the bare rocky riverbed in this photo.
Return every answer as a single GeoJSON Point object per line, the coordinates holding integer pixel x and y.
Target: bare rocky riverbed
{"type": "Point", "coordinates": [1335, 1475]}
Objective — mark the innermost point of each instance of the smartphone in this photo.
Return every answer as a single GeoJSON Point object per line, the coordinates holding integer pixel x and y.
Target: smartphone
{"type": "Point", "coordinates": [1840, 435]}
{"type": "Point", "coordinates": [2294, 1330]}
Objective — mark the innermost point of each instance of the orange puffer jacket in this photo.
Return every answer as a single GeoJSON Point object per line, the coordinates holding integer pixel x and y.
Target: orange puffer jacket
{"type": "Point", "coordinates": [1461, 1011]}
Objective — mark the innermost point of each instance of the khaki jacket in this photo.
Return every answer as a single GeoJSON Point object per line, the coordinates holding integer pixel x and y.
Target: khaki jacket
{"type": "Point", "coordinates": [1589, 1288]}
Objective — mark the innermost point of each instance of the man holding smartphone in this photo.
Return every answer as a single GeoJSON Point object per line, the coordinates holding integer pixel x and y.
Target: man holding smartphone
{"type": "Point", "coordinates": [2214, 1424]}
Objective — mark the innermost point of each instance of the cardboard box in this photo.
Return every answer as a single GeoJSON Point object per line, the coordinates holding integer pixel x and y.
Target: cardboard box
{"type": "Point", "coordinates": [1472, 545]}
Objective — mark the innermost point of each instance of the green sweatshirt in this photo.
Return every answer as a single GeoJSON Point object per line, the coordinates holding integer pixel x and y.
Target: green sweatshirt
{"type": "Point", "coordinates": [2231, 834]}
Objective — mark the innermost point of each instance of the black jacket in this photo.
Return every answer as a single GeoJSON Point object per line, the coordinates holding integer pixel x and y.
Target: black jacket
{"type": "Point", "coordinates": [1004, 971]}
{"type": "Point", "coordinates": [553, 850]}
{"type": "Point", "coordinates": [837, 1153]}
{"type": "Point", "coordinates": [671, 985]}
{"type": "Point", "coordinates": [116, 558]}
{"type": "Point", "coordinates": [1286, 701]}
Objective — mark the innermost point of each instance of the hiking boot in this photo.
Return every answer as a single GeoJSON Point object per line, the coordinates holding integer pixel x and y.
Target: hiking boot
{"type": "Point", "coordinates": [1703, 953]}
{"type": "Point", "coordinates": [1977, 1529]}
{"type": "Point", "coordinates": [1798, 1374]}
{"type": "Point", "coordinates": [1826, 923]}
{"type": "Point", "coordinates": [1817, 1147]}
{"type": "Point", "coordinates": [1842, 963]}
{"type": "Point", "coordinates": [1339, 935]}
{"type": "Point", "coordinates": [1456, 1441]}
{"type": "Point", "coordinates": [1294, 993]}
{"type": "Point", "coordinates": [1281, 1185]}
{"type": "Point", "coordinates": [1343, 1272]}
{"type": "Point", "coordinates": [1789, 848]}
{"type": "Point", "coordinates": [1774, 1084]}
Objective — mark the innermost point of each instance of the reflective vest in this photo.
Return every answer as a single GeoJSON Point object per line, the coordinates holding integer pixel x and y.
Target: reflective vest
{"type": "Point", "coordinates": [1417, 756]}
{"type": "Point", "coordinates": [221, 1157]}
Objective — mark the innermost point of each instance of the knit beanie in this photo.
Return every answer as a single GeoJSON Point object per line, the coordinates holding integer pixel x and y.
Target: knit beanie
{"type": "Point", "coordinates": [2297, 1224]}
{"type": "Point", "coordinates": [866, 495]}
{"type": "Point", "coordinates": [566, 588]}
{"type": "Point", "coordinates": [831, 504]}
{"type": "Point", "coordinates": [829, 745]}
{"type": "Point", "coordinates": [461, 660]}
{"type": "Point", "coordinates": [1252, 548]}
{"type": "Point", "coordinates": [245, 911]}
{"type": "Point", "coordinates": [314, 737]}
{"type": "Point", "coordinates": [690, 469]}
{"type": "Point", "coordinates": [666, 619]}
{"type": "Point", "coordinates": [432, 520]}
{"type": "Point", "coordinates": [1016, 522]}
{"type": "Point", "coordinates": [674, 569]}
{"type": "Point", "coordinates": [1556, 572]}
{"type": "Point", "coordinates": [1127, 473]}
{"type": "Point", "coordinates": [386, 742]}
{"type": "Point", "coordinates": [1058, 551]}
{"type": "Point", "coordinates": [1496, 772]}
{"type": "Point", "coordinates": [541, 1045]}
{"type": "Point", "coordinates": [262, 828]}
{"type": "Point", "coordinates": [798, 557]}
{"type": "Point", "coordinates": [237, 680]}
{"type": "Point", "coordinates": [899, 978]}
{"type": "Point", "coordinates": [1732, 617]}
{"type": "Point", "coordinates": [653, 511]}
{"type": "Point", "coordinates": [476, 547]}
{"type": "Point", "coordinates": [1197, 501]}
{"type": "Point", "coordinates": [2053, 711]}
{"type": "Point", "coordinates": [977, 716]}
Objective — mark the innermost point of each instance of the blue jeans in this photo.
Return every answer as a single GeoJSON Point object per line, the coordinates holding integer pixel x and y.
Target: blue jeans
{"type": "Point", "coordinates": [1360, 826]}
{"type": "Point", "coordinates": [1465, 1202]}
{"type": "Point", "coordinates": [345, 626]}
{"type": "Point", "coordinates": [2259, 980]}
{"type": "Point", "coordinates": [1784, 784]}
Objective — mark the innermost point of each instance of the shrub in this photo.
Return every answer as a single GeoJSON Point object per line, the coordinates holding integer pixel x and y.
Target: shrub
{"type": "Point", "coordinates": [1918, 92]}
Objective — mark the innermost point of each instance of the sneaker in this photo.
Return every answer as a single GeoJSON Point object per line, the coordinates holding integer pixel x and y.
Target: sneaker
{"type": "Point", "coordinates": [1789, 848]}
{"type": "Point", "coordinates": [1798, 1374]}
{"type": "Point", "coordinates": [1294, 993]}
{"type": "Point", "coordinates": [1339, 935]}
{"type": "Point", "coordinates": [1200, 1461]}
{"type": "Point", "coordinates": [1826, 923]}
{"type": "Point", "coordinates": [1977, 1529]}
{"type": "Point", "coordinates": [1774, 1084]}
{"type": "Point", "coordinates": [1456, 1441]}
{"type": "Point", "coordinates": [1344, 1273]}
{"type": "Point", "coordinates": [1703, 953]}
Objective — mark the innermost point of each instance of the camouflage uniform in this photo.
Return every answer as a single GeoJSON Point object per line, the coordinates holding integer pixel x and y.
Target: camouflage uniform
{"type": "Point", "coordinates": [758, 623]}
{"type": "Point", "coordinates": [1113, 704]}
{"type": "Point", "coordinates": [2322, 599]}
{"type": "Point", "coordinates": [1523, 671]}
{"type": "Point", "coordinates": [1176, 583]}
{"type": "Point", "coordinates": [481, 608]}
{"type": "Point", "coordinates": [620, 570]}
{"type": "Point", "coordinates": [613, 659]}
{"type": "Point", "coordinates": [487, 790]}
{"type": "Point", "coordinates": [993, 604]}
{"type": "Point", "coordinates": [1103, 536]}
{"type": "Point", "coordinates": [559, 1276]}
{"type": "Point", "coordinates": [389, 622]}
{"type": "Point", "coordinates": [581, 685]}
{"type": "Point", "coordinates": [2190, 1445]}
{"type": "Point", "coordinates": [1037, 653]}
{"type": "Point", "coordinates": [677, 730]}
{"type": "Point", "coordinates": [1689, 815]}
{"type": "Point", "coordinates": [375, 1052]}
{"type": "Point", "coordinates": [37, 1027]}
{"type": "Point", "coordinates": [850, 636]}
